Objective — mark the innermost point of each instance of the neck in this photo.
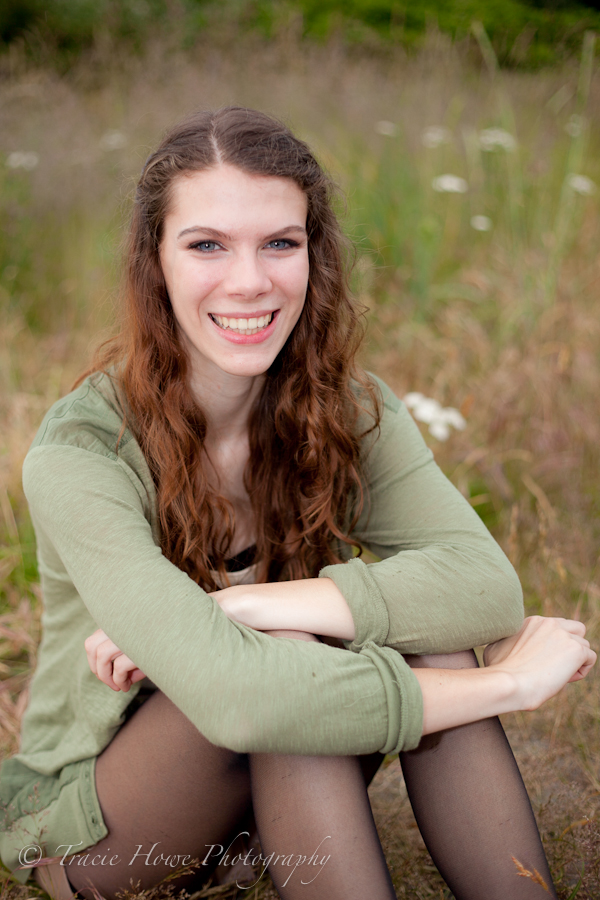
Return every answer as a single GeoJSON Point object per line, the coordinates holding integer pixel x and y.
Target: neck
{"type": "Point", "coordinates": [226, 401]}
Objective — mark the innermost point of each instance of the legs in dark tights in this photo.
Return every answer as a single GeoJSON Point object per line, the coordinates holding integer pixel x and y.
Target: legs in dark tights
{"type": "Point", "coordinates": [164, 789]}
{"type": "Point", "coordinates": [317, 809]}
{"type": "Point", "coordinates": [472, 808]}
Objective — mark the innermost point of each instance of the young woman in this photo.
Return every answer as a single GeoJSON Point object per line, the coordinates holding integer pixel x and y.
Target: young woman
{"type": "Point", "coordinates": [197, 501]}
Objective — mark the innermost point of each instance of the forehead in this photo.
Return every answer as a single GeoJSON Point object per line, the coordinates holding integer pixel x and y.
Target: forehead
{"type": "Point", "coordinates": [232, 196]}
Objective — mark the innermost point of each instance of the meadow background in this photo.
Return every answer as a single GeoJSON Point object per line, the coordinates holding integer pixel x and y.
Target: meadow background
{"type": "Point", "coordinates": [469, 159]}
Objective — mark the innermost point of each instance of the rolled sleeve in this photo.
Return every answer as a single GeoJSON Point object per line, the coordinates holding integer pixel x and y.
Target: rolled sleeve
{"type": "Point", "coordinates": [363, 596]}
{"type": "Point", "coordinates": [443, 584]}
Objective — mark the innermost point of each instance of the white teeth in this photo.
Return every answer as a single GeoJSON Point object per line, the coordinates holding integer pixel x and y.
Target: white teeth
{"type": "Point", "coordinates": [243, 326]}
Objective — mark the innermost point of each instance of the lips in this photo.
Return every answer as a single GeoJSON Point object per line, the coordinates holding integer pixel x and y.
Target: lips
{"type": "Point", "coordinates": [247, 335]}
{"type": "Point", "coordinates": [242, 325]}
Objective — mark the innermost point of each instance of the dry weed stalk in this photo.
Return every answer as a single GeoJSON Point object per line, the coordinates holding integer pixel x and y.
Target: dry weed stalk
{"type": "Point", "coordinates": [525, 873]}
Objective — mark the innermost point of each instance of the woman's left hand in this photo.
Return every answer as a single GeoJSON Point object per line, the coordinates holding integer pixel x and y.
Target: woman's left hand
{"type": "Point", "coordinates": [544, 655]}
{"type": "Point", "coordinates": [109, 664]}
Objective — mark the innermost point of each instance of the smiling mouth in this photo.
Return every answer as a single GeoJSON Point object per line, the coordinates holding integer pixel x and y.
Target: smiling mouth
{"type": "Point", "coordinates": [241, 325]}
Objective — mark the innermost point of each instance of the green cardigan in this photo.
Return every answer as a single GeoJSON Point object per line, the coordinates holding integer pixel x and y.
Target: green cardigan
{"type": "Point", "coordinates": [443, 584]}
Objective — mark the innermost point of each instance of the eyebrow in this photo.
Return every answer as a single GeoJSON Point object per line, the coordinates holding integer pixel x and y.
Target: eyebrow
{"type": "Point", "coordinates": [212, 232]}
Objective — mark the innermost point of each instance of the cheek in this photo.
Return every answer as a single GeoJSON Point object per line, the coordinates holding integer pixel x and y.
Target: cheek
{"type": "Point", "coordinates": [188, 289]}
{"type": "Point", "coordinates": [297, 280]}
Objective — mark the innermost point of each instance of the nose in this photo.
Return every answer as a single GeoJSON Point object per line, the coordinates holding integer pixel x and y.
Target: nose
{"type": "Point", "coordinates": [247, 276]}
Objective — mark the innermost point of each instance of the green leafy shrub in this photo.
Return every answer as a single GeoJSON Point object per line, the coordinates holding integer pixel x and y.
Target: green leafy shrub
{"type": "Point", "coordinates": [523, 32]}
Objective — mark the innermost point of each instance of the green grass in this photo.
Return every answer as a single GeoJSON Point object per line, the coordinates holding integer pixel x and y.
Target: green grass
{"type": "Point", "coordinates": [528, 33]}
{"type": "Point", "coordinates": [501, 324]}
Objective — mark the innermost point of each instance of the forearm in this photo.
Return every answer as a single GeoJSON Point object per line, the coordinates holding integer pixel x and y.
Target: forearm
{"type": "Point", "coordinates": [316, 606]}
{"type": "Point", "coordinates": [453, 697]}
{"type": "Point", "coordinates": [521, 673]}
{"type": "Point", "coordinates": [242, 689]}
{"type": "Point", "coordinates": [313, 605]}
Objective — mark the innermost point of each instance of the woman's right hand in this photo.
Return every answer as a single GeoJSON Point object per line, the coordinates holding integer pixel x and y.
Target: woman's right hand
{"type": "Point", "coordinates": [543, 656]}
{"type": "Point", "coordinates": [109, 664]}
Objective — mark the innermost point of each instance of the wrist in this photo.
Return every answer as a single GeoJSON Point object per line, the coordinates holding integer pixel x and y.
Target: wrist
{"type": "Point", "coordinates": [522, 694]}
{"type": "Point", "coordinates": [505, 693]}
{"type": "Point", "coordinates": [454, 697]}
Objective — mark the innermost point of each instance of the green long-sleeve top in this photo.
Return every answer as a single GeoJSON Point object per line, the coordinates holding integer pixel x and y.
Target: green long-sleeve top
{"type": "Point", "coordinates": [443, 584]}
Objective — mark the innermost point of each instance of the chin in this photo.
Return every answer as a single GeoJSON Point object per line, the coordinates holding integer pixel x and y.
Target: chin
{"type": "Point", "coordinates": [250, 372]}
{"type": "Point", "coordinates": [246, 368]}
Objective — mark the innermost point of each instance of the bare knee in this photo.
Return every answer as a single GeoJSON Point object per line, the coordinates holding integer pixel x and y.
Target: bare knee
{"type": "Point", "coordinates": [464, 659]}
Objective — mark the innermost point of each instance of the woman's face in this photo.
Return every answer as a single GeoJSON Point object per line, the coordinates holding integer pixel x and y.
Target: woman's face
{"type": "Point", "coordinates": [234, 255]}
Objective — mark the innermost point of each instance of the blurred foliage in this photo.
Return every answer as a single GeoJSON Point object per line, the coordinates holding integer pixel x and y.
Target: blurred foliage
{"type": "Point", "coordinates": [523, 32]}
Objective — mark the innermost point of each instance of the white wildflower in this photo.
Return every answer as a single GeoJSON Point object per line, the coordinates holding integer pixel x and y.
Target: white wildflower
{"type": "Point", "coordinates": [496, 139]}
{"type": "Point", "coordinates": [427, 410]}
{"type": "Point", "coordinates": [581, 184]}
{"type": "Point", "coordinates": [413, 398]}
{"type": "Point", "coordinates": [440, 419]}
{"type": "Point", "coordinates": [453, 417]}
{"type": "Point", "coordinates": [435, 136]}
{"type": "Point", "coordinates": [388, 129]}
{"type": "Point", "coordinates": [449, 184]}
{"type": "Point", "coordinates": [481, 223]}
{"type": "Point", "coordinates": [113, 140]}
{"type": "Point", "coordinates": [440, 430]}
{"type": "Point", "coordinates": [575, 125]}
{"type": "Point", "coordinates": [22, 160]}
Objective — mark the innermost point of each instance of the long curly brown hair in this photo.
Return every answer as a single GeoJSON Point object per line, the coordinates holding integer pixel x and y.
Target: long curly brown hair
{"type": "Point", "coordinates": [303, 476]}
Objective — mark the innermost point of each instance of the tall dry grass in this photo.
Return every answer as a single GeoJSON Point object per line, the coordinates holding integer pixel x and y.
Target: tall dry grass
{"type": "Point", "coordinates": [502, 324]}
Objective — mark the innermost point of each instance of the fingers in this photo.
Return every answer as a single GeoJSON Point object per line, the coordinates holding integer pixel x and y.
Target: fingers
{"type": "Point", "coordinates": [106, 655]}
{"type": "Point", "coordinates": [579, 640]}
{"type": "Point", "coordinates": [573, 650]}
{"type": "Point", "coordinates": [91, 645]}
{"type": "Point", "coordinates": [571, 625]}
{"type": "Point", "coordinates": [109, 664]}
{"type": "Point", "coordinates": [548, 628]}
{"type": "Point", "coordinates": [583, 670]}
{"type": "Point", "coordinates": [125, 673]}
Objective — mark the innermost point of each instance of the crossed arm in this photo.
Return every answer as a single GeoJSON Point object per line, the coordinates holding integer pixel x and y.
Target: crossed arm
{"type": "Point", "coordinates": [442, 585]}
{"type": "Point", "coordinates": [521, 672]}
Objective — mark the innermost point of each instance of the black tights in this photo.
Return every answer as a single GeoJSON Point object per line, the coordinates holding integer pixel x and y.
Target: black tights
{"type": "Point", "coordinates": [161, 783]}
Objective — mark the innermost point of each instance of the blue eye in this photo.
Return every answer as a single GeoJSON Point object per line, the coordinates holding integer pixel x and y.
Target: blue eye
{"type": "Point", "coordinates": [283, 244]}
{"type": "Point", "coordinates": [205, 246]}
